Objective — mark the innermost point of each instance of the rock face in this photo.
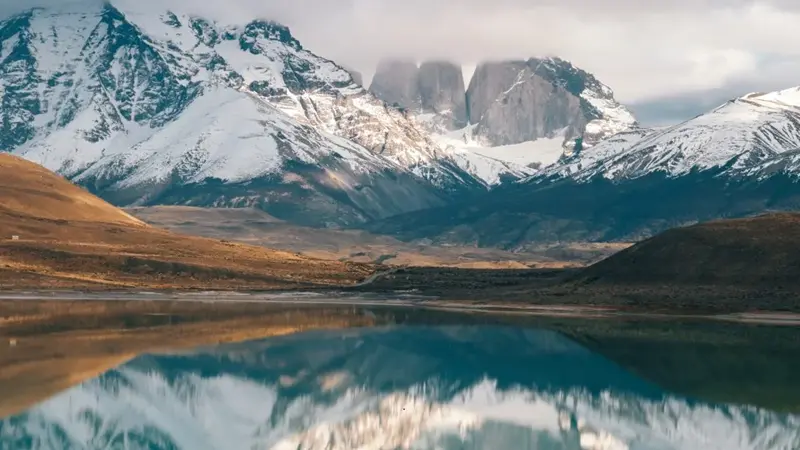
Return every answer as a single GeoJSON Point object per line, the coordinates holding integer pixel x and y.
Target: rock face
{"type": "Point", "coordinates": [529, 110]}
{"type": "Point", "coordinates": [433, 91]}
{"type": "Point", "coordinates": [517, 101]}
{"type": "Point", "coordinates": [442, 93]}
{"type": "Point", "coordinates": [488, 82]}
{"type": "Point", "coordinates": [144, 106]}
{"type": "Point", "coordinates": [396, 83]}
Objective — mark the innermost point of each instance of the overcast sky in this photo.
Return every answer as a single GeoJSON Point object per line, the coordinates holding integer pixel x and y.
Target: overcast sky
{"type": "Point", "coordinates": [667, 59]}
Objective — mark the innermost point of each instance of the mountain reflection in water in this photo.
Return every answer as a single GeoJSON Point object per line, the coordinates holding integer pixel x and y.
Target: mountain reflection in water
{"type": "Point", "coordinates": [471, 387]}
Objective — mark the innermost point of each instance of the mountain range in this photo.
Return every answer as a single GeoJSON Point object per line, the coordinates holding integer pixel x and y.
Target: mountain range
{"type": "Point", "coordinates": [152, 107]}
{"type": "Point", "coordinates": [523, 112]}
{"type": "Point", "coordinates": [737, 160]}
{"type": "Point", "coordinates": [146, 107]}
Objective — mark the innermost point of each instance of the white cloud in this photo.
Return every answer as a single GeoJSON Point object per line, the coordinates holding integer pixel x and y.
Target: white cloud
{"type": "Point", "coordinates": [643, 50]}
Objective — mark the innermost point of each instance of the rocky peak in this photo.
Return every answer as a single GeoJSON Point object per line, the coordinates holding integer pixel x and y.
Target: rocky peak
{"type": "Point", "coordinates": [434, 89]}
{"type": "Point", "coordinates": [516, 101]}
{"type": "Point", "coordinates": [442, 92]}
{"type": "Point", "coordinates": [264, 29]}
{"type": "Point", "coordinates": [531, 108]}
{"type": "Point", "coordinates": [141, 105]}
{"type": "Point", "coordinates": [396, 83]}
{"type": "Point", "coordinates": [204, 30]}
{"type": "Point", "coordinates": [488, 82]}
{"type": "Point", "coordinates": [563, 73]}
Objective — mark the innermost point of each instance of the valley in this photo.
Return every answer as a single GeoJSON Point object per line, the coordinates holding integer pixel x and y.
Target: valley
{"type": "Point", "coordinates": [255, 227]}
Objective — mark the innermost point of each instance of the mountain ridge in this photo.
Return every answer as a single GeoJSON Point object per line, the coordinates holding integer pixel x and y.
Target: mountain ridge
{"type": "Point", "coordinates": [738, 160]}
{"type": "Point", "coordinates": [102, 90]}
{"type": "Point", "coordinates": [523, 113]}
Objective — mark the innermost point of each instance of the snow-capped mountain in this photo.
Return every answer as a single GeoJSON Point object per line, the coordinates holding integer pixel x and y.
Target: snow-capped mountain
{"type": "Point", "coordinates": [738, 160]}
{"type": "Point", "coordinates": [746, 136]}
{"type": "Point", "coordinates": [411, 388]}
{"type": "Point", "coordinates": [148, 106]}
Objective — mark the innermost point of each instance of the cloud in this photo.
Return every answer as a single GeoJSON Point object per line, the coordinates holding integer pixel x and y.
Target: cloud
{"type": "Point", "coordinates": [641, 52]}
{"type": "Point", "coordinates": [774, 72]}
{"type": "Point", "coordinates": [646, 51]}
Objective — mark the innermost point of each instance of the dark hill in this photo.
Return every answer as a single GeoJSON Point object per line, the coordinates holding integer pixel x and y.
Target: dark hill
{"type": "Point", "coordinates": [758, 252]}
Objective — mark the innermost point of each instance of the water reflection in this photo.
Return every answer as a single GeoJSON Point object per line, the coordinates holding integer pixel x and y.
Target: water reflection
{"type": "Point", "coordinates": [476, 387]}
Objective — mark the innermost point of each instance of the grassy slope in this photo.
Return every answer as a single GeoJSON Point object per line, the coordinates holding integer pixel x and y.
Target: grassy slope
{"type": "Point", "coordinates": [70, 238]}
{"type": "Point", "coordinates": [759, 252]}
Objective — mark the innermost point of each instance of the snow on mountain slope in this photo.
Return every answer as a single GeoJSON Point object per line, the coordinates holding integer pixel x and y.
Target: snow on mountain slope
{"type": "Point", "coordinates": [196, 146]}
{"type": "Point", "coordinates": [347, 390]}
{"type": "Point", "coordinates": [492, 170]}
{"type": "Point", "coordinates": [615, 118]}
{"type": "Point", "coordinates": [607, 116]}
{"type": "Point", "coordinates": [310, 89]}
{"type": "Point", "coordinates": [573, 164]}
{"type": "Point", "coordinates": [736, 138]}
{"type": "Point", "coordinates": [122, 97]}
{"type": "Point", "coordinates": [493, 164]}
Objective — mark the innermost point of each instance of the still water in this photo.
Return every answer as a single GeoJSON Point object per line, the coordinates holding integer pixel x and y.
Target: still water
{"type": "Point", "coordinates": [492, 387]}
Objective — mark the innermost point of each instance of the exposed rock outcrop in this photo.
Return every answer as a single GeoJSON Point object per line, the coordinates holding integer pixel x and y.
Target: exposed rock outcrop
{"type": "Point", "coordinates": [517, 101]}
{"type": "Point", "coordinates": [157, 107]}
{"type": "Point", "coordinates": [396, 83]}
{"type": "Point", "coordinates": [434, 91]}
{"type": "Point", "coordinates": [488, 82]}
{"type": "Point", "coordinates": [531, 109]}
{"type": "Point", "coordinates": [442, 93]}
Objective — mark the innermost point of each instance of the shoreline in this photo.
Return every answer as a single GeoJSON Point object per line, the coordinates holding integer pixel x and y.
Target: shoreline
{"type": "Point", "coordinates": [401, 299]}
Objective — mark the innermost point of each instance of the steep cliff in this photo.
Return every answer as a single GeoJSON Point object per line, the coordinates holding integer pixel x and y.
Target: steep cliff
{"type": "Point", "coordinates": [517, 101]}
{"type": "Point", "coordinates": [442, 93]}
{"type": "Point", "coordinates": [396, 83]}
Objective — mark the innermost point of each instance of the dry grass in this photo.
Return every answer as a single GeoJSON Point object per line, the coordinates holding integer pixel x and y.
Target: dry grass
{"type": "Point", "coordinates": [256, 227]}
{"type": "Point", "coordinates": [28, 190]}
{"type": "Point", "coordinates": [759, 252]}
{"type": "Point", "coordinates": [69, 238]}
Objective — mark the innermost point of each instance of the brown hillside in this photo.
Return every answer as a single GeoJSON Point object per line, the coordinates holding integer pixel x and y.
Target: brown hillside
{"type": "Point", "coordinates": [759, 252]}
{"type": "Point", "coordinates": [27, 189]}
{"type": "Point", "coordinates": [70, 238]}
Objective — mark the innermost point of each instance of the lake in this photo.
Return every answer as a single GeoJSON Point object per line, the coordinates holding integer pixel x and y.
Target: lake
{"type": "Point", "coordinates": [512, 384]}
